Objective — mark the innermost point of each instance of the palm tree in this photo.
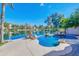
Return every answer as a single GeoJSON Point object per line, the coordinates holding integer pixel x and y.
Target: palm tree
{"type": "Point", "coordinates": [2, 20]}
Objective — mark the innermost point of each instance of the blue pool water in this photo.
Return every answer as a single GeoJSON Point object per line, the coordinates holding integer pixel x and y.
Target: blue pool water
{"type": "Point", "coordinates": [51, 41]}
{"type": "Point", "coordinates": [67, 36]}
{"type": "Point", "coordinates": [48, 41]}
{"type": "Point", "coordinates": [16, 37]}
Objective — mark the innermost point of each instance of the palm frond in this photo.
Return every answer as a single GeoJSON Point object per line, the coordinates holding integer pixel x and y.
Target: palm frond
{"type": "Point", "coordinates": [11, 5]}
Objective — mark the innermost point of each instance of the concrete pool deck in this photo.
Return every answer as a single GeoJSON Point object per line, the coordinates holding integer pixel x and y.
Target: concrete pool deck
{"type": "Point", "coordinates": [31, 48]}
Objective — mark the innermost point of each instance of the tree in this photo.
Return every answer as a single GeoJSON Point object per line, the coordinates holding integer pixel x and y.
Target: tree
{"type": "Point", "coordinates": [64, 23]}
{"type": "Point", "coordinates": [35, 27]}
{"type": "Point", "coordinates": [2, 20]}
{"type": "Point", "coordinates": [74, 18]}
{"type": "Point", "coordinates": [6, 25]}
{"type": "Point", "coordinates": [54, 20]}
{"type": "Point", "coordinates": [41, 28]}
{"type": "Point", "coordinates": [48, 21]}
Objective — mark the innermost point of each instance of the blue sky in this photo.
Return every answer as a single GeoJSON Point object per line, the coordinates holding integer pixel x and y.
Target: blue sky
{"type": "Point", "coordinates": [36, 13]}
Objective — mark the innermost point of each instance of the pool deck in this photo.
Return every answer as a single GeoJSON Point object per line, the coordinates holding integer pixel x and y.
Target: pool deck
{"type": "Point", "coordinates": [75, 47]}
{"type": "Point", "coordinates": [30, 47]}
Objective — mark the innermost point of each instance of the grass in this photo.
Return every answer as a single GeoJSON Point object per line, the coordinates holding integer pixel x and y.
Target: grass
{"type": "Point", "coordinates": [1, 44]}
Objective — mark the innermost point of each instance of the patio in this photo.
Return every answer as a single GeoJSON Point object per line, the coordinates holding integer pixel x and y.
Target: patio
{"type": "Point", "coordinates": [32, 48]}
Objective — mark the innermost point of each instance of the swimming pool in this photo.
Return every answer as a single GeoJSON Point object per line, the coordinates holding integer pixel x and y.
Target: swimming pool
{"type": "Point", "coordinates": [48, 41]}
{"type": "Point", "coordinates": [67, 36]}
{"type": "Point", "coordinates": [15, 37]}
{"type": "Point", "coordinates": [51, 41]}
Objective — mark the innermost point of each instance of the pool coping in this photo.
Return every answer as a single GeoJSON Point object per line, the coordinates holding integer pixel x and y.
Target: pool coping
{"type": "Point", "coordinates": [32, 48]}
{"type": "Point", "coordinates": [38, 50]}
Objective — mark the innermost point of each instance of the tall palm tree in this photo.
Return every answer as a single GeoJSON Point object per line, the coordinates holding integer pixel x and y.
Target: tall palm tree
{"type": "Point", "coordinates": [2, 19]}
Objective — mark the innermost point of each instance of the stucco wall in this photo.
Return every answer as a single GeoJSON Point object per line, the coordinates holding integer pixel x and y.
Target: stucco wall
{"type": "Point", "coordinates": [73, 31]}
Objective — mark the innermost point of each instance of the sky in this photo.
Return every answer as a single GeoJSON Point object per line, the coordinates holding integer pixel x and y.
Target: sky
{"type": "Point", "coordinates": [36, 13]}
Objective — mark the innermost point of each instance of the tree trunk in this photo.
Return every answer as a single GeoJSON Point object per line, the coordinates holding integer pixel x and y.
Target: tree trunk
{"type": "Point", "coordinates": [2, 22]}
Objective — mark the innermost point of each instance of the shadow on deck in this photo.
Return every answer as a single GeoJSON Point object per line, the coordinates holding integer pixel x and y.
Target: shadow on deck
{"type": "Point", "coordinates": [74, 52]}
